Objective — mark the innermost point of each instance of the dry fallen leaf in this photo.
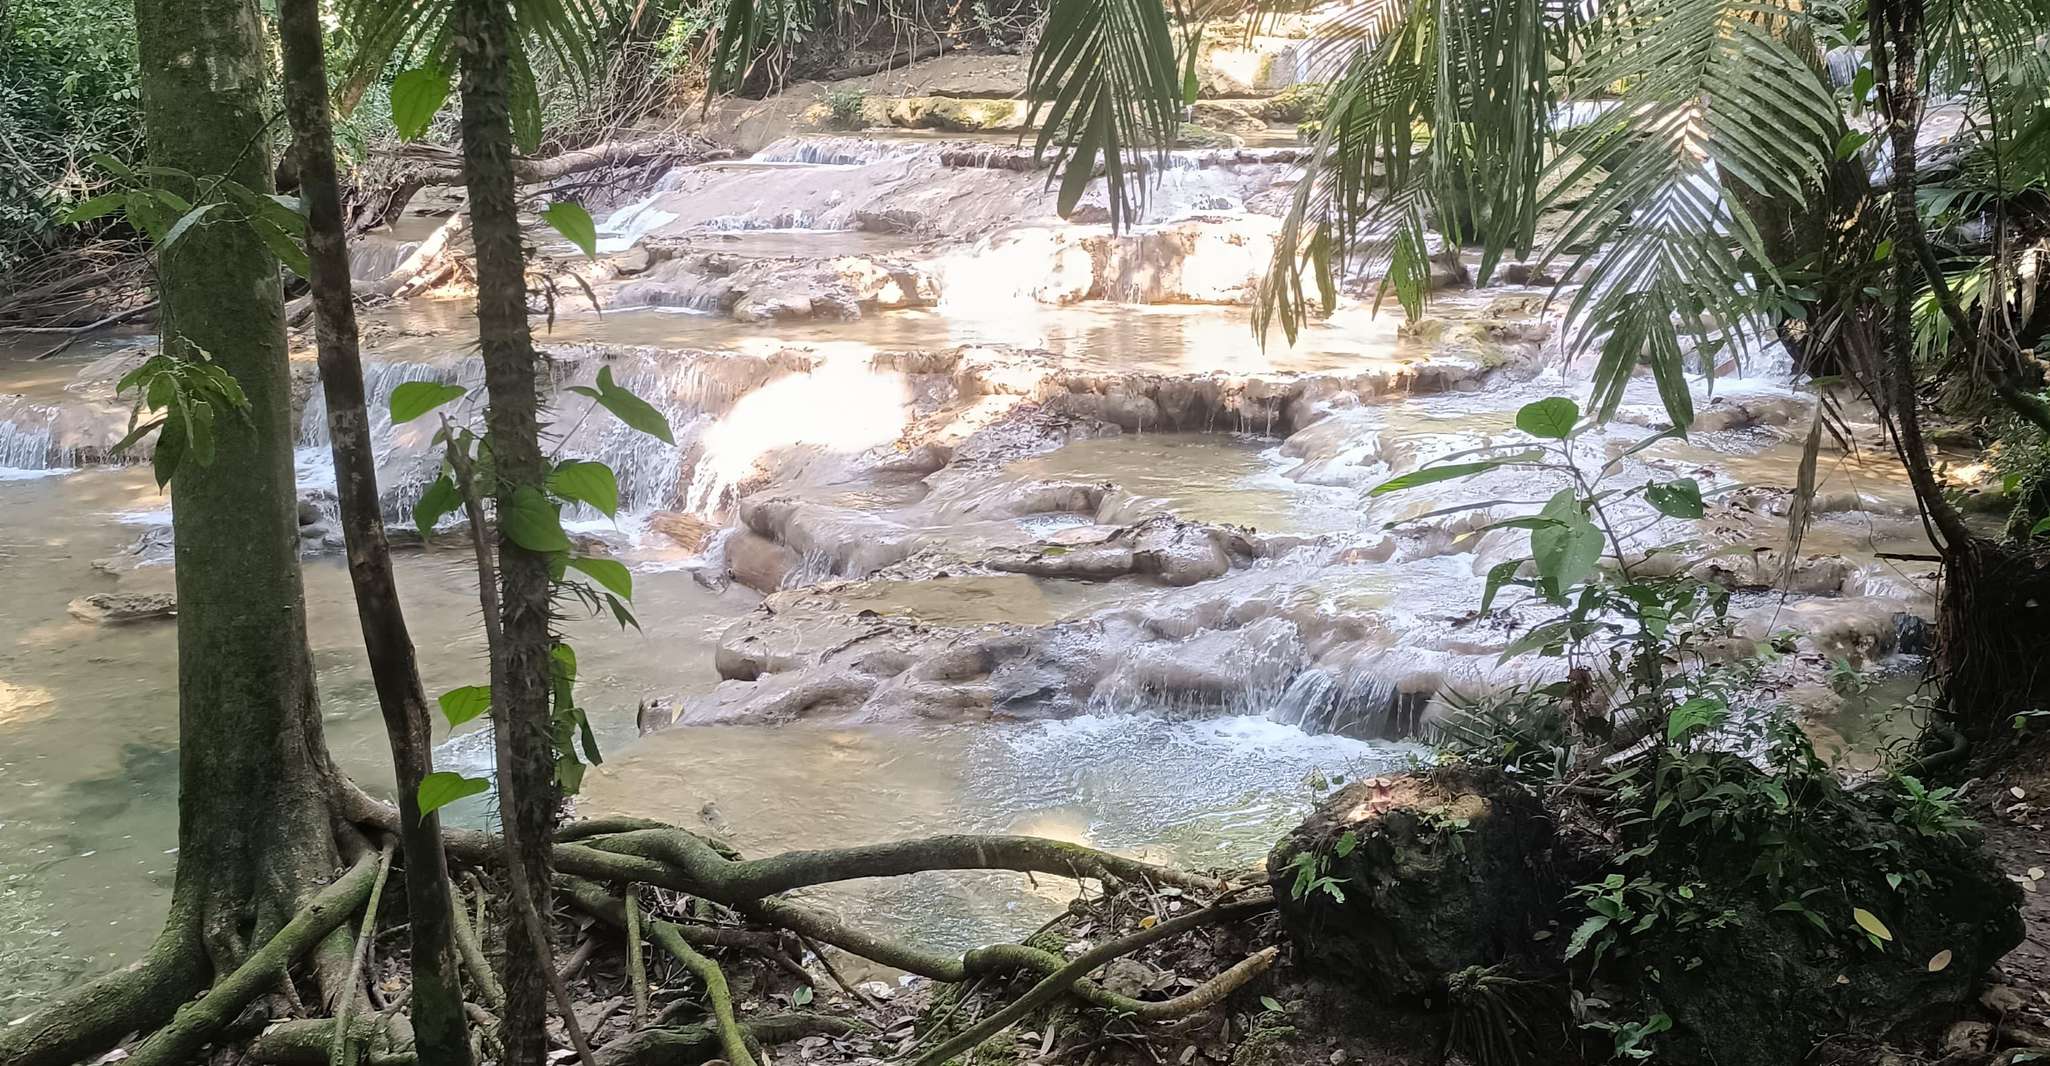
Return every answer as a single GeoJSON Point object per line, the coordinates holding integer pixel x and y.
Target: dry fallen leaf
{"type": "Point", "coordinates": [1940, 961]}
{"type": "Point", "coordinates": [1148, 922]}
{"type": "Point", "coordinates": [2017, 792]}
{"type": "Point", "coordinates": [2035, 873]}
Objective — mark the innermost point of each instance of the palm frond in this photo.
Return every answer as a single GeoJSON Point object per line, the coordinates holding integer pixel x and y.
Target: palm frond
{"type": "Point", "coordinates": [1104, 77]}
{"type": "Point", "coordinates": [1472, 76]}
{"type": "Point", "coordinates": [390, 33]}
{"type": "Point", "coordinates": [1715, 93]}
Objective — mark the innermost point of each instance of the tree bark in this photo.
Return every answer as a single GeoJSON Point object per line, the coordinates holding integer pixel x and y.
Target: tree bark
{"type": "Point", "coordinates": [520, 665]}
{"type": "Point", "coordinates": [439, 1022]}
{"type": "Point", "coordinates": [254, 836]}
{"type": "Point", "coordinates": [249, 724]}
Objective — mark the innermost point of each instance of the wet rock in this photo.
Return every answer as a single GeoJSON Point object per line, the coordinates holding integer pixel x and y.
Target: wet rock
{"type": "Point", "coordinates": [310, 512]}
{"type": "Point", "coordinates": [687, 531]}
{"type": "Point", "coordinates": [758, 562]}
{"type": "Point", "coordinates": [1091, 562]}
{"type": "Point", "coordinates": [635, 260]}
{"type": "Point", "coordinates": [1968, 1038]}
{"type": "Point", "coordinates": [1526, 274]}
{"type": "Point", "coordinates": [888, 220]}
{"type": "Point", "coordinates": [758, 306]}
{"type": "Point", "coordinates": [118, 608]}
{"type": "Point", "coordinates": [1182, 554]}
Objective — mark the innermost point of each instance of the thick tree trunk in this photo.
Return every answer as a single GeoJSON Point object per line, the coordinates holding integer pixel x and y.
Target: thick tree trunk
{"type": "Point", "coordinates": [249, 718]}
{"type": "Point", "coordinates": [520, 665]}
{"type": "Point", "coordinates": [254, 838]}
{"type": "Point", "coordinates": [441, 1029]}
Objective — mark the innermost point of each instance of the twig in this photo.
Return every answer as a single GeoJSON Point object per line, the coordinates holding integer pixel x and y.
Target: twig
{"type": "Point", "coordinates": [94, 327]}
{"type": "Point", "coordinates": [833, 972]}
{"type": "Point", "coordinates": [636, 965]}
{"type": "Point", "coordinates": [342, 1051]}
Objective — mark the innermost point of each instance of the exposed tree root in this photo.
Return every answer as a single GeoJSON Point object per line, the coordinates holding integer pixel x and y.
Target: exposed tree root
{"type": "Point", "coordinates": [692, 1044]}
{"type": "Point", "coordinates": [89, 1019]}
{"type": "Point", "coordinates": [198, 1021]}
{"type": "Point", "coordinates": [343, 1051]}
{"type": "Point", "coordinates": [1061, 980]}
{"type": "Point", "coordinates": [482, 981]}
{"type": "Point", "coordinates": [306, 1041]}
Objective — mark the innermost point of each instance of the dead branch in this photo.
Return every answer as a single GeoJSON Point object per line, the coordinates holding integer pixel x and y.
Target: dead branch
{"type": "Point", "coordinates": [94, 327]}
{"type": "Point", "coordinates": [343, 1051]}
{"type": "Point", "coordinates": [696, 1043]}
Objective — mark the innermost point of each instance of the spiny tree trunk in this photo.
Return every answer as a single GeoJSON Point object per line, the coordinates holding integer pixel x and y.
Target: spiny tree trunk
{"type": "Point", "coordinates": [520, 666]}
{"type": "Point", "coordinates": [439, 1024]}
{"type": "Point", "coordinates": [254, 837]}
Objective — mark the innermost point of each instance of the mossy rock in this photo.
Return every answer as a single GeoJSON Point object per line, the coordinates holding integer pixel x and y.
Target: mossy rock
{"type": "Point", "coordinates": [953, 114]}
{"type": "Point", "coordinates": [1440, 876]}
{"type": "Point", "coordinates": [1192, 135]}
{"type": "Point", "coordinates": [1466, 867]}
{"type": "Point", "coordinates": [1269, 1046]}
{"type": "Point", "coordinates": [1297, 103]}
{"type": "Point", "coordinates": [1226, 116]}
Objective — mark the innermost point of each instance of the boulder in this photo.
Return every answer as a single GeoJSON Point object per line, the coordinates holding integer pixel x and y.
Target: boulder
{"type": "Point", "coordinates": [1434, 875]}
{"type": "Point", "coordinates": [1440, 876]}
{"type": "Point", "coordinates": [758, 562]}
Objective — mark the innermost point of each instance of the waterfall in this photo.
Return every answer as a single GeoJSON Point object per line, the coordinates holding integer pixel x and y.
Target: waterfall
{"type": "Point", "coordinates": [1361, 707]}
{"type": "Point", "coordinates": [838, 151]}
{"type": "Point", "coordinates": [29, 441]}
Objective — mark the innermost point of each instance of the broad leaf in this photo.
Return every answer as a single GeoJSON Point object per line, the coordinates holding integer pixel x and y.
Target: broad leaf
{"type": "Point", "coordinates": [1694, 716]}
{"type": "Point", "coordinates": [571, 220]}
{"type": "Point", "coordinates": [170, 451]}
{"type": "Point", "coordinates": [627, 407]}
{"type": "Point", "coordinates": [1566, 553]}
{"type": "Point", "coordinates": [442, 498]}
{"type": "Point", "coordinates": [532, 522]}
{"type": "Point", "coordinates": [614, 575]}
{"type": "Point", "coordinates": [460, 705]}
{"type": "Point", "coordinates": [1870, 923]}
{"type": "Point", "coordinates": [439, 789]}
{"type": "Point", "coordinates": [94, 208]}
{"type": "Point", "coordinates": [588, 483]}
{"type": "Point", "coordinates": [186, 222]}
{"type": "Point", "coordinates": [1552, 418]}
{"type": "Point", "coordinates": [416, 96]}
{"type": "Point", "coordinates": [1498, 575]}
{"type": "Point", "coordinates": [1675, 499]}
{"type": "Point", "coordinates": [283, 245]}
{"type": "Point", "coordinates": [415, 398]}
{"type": "Point", "coordinates": [1585, 933]}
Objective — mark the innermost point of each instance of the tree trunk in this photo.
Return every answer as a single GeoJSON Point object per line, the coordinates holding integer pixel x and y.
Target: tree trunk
{"type": "Point", "coordinates": [1994, 615]}
{"type": "Point", "coordinates": [254, 837]}
{"type": "Point", "coordinates": [440, 1026]}
{"type": "Point", "coordinates": [249, 717]}
{"type": "Point", "coordinates": [520, 667]}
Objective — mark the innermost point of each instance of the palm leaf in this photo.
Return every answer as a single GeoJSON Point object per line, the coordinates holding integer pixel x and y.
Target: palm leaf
{"type": "Point", "coordinates": [1105, 80]}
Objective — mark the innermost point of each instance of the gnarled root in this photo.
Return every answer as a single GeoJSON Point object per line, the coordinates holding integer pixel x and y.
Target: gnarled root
{"type": "Point", "coordinates": [692, 1044]}
{"type": "Point", "coordinates": [196, 1022]}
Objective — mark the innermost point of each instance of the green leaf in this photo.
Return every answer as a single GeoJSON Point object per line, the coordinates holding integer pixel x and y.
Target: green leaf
{"type": "Point", "coordinates": [1552, 418]}
{"type": "Point", "coordinates": [1432, 474]}
{"type": "Point", "coordinates": [569, 773]}
{"type": "Point", "coordinates": [187, 221]}
{"type": "Point", "coordinates": [416, 95]}
{"type": "Point", "coordinates": [801, 997]}
{"type": "Point", "coordinates": [283, 245]}
{"type": "Point", "coordinates": [628, 408]}
{"type": "Point", "coordinates": [1693, 716]}
{"type": "Point", "coordinates": [1499, 575]}
{"type": "Point", "coordinates": [587, 482]}
{"type": "Point", "coordinates": [532, 522]}
{"type": "Point", "coordinates": [135, 434]}
{"type": "Point", "coordinates": [1565, 554]}
{"type": "Point", "coordinates": [1272, 1004]}
{"type": "Point", "coordinates": [112, 165]}
{"type": "Point", "coordinates": [621, 614]}
{"type": "Point", "coordinates": [1870, 923]}
{"type": "Point", "coordinates": [609, 573]}
{"type": "Point", "coordinates": [2040, 528]}
{"type": "Point", "coordinates": [94, 208]}
{"type": "Point", "coordinates": [1581, 936]}
{"type": "Point", "coordinates": [439, 789]}
{"type": "Point", "coordinates": [440, 499]}
{"type": "Point", "coordinates": [1861, 84]}
{"type": "Point", "coordinates": [571, 220]}
{"type": "Point", "coordinates": [169, 452]}
{"type": "Point", "coordinates": [1675, 499]}
{"type": "Point", "coordinates": [1848, 145]}
{"type": "Point", "coordinates": [460, 705]}
{"type": "Point", "coordinates": [415, 398]}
